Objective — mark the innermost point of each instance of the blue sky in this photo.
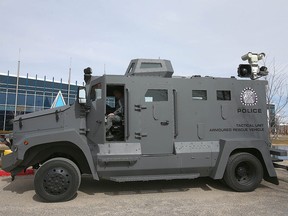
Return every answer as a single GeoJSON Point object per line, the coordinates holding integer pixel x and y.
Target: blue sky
{"type": "Point", "coordinates": [199, 37]}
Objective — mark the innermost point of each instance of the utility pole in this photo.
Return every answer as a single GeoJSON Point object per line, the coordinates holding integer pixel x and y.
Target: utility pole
{"type": "Point", "coordinates": [17, 85]}
{"type": "Point", "coordinates": [69, 81]}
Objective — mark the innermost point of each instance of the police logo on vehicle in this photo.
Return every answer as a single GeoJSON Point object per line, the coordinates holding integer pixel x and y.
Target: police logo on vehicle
{"type": "Point", "coordinates": [248, 97]}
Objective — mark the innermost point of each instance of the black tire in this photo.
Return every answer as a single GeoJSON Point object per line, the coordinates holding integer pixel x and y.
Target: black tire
{"type": "Point", "coordinates": [243, 173]}
{"type": "Point", "coordinates": [57, 180]}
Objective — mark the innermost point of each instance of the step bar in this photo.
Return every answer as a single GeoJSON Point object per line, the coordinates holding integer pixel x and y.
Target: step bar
{"type": "Point", "coordinates": [152, 177]}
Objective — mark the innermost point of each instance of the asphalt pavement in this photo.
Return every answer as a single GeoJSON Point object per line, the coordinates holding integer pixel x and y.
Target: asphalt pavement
{"type": "Point", "coordinates": [201, 196]}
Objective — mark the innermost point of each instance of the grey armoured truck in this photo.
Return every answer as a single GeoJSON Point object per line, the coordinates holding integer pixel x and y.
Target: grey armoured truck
{"type": "Point", "coordinates": [167, 128]}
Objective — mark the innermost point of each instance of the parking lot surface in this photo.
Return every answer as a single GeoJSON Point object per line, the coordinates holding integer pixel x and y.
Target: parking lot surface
{"type": "Point", "coordinates": [201, 196]}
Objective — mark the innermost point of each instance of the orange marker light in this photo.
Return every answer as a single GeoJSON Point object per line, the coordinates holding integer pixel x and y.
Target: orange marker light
{"type": "Point", "coordinates": [26, 142]}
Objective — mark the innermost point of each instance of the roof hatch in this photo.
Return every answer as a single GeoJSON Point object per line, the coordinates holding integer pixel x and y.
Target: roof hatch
{"type": "Point", "coordinates": [150, 67]}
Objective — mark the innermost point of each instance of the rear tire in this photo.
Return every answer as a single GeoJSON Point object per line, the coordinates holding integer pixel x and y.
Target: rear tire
{"type": "Point", "coordinates": [57, 180]}
{"type": "Point", "coordinates": [244, 172]}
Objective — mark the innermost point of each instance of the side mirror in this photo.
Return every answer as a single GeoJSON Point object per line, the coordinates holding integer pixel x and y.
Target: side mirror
{"type": "Point", "coordinates": [81, 95]}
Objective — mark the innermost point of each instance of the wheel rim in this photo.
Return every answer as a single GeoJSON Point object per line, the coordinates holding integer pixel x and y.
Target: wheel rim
{"type": "Point", "coordinates": [245, 172]}
{"type": "Point", "coordinates": [57, 181]}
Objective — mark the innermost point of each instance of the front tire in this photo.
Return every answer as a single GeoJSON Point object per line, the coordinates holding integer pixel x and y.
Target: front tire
{"type": "Point", "coordinates": [244, 172]}
{"type": "Point", "coordinates": [57, 180]}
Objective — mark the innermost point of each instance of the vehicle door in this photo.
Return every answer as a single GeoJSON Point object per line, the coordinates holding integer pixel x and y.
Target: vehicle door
{"type": "Point", "coordinates": [157, 122]}
{"type": "Point", "coordinates": [96, 116]}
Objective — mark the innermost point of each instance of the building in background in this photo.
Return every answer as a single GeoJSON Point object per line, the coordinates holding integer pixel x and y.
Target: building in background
{"type": "Point", "coordinates": [34, 94]}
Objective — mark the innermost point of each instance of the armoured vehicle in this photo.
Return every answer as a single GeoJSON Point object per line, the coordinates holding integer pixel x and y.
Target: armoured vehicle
{"type": "Point", "coordinates": [169, 128]}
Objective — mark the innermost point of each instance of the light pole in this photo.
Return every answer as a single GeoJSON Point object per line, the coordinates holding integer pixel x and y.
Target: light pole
{"type": "Point", "coordinates": [17, 85]}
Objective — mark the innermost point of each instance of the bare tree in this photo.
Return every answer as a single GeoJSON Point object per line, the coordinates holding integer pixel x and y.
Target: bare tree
{"type": "Point", "coordinates": [277, 95]}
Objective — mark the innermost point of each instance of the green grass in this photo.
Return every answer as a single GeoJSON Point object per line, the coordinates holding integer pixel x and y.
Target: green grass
{"type": "Point", "coordinates": [282, 139]}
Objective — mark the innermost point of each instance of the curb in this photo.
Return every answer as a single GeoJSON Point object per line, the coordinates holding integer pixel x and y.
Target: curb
{"type": "Point", "coordinates": [28, 172]}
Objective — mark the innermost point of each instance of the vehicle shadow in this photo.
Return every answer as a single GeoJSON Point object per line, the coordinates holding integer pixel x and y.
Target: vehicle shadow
{"type": "Point", "coordinates": [20, 185]}
{"type": "Point", "coordinates": [91, 187]}
{"type": "Point", "coordinates": [36, 198]}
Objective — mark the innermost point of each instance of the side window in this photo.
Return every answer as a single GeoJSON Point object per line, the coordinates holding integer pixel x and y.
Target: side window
{"type": "Point", "coordinates": [115, 98]}
{"type": "Point", "coordinates": [110, 101]}
{"type": "Point", "coordinates": [150, 65]}
{"type": "Point", "coordinates": [131, 68]}
{"type": "Point", "coordinates": [96, 92]}
{"type": "Point", "coordinates": [223, 95]}
{"type": "Point", "coordinates": [154, 95]}
{"type": "Point", "coordinates": [199, 94]}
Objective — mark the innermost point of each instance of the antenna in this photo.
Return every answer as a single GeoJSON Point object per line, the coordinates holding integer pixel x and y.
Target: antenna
{"type": "Point", "coordinates": [104, 69]}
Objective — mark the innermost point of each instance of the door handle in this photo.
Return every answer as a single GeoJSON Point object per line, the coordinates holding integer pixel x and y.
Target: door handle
{"type": "Point", "coordinates": [154, 115]}
{"type": "Point", "coordinates": [164, 123]}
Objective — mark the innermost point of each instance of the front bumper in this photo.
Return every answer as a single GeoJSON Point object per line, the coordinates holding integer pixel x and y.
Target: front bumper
{"type": "Point", "coordinates": [10, 162]}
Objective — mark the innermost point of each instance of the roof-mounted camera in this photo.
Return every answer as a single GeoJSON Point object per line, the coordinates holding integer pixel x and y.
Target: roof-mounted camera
{"type": "Point", "coordinates": [252, 70]}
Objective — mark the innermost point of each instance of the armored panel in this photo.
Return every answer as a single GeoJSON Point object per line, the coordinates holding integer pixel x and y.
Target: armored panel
{"type": "Point", "coordinates": [196, 147]}
{"type": "Point", "coordinates": [150, 67]}
{"type": "Point", "coordinates": [119, 149]}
